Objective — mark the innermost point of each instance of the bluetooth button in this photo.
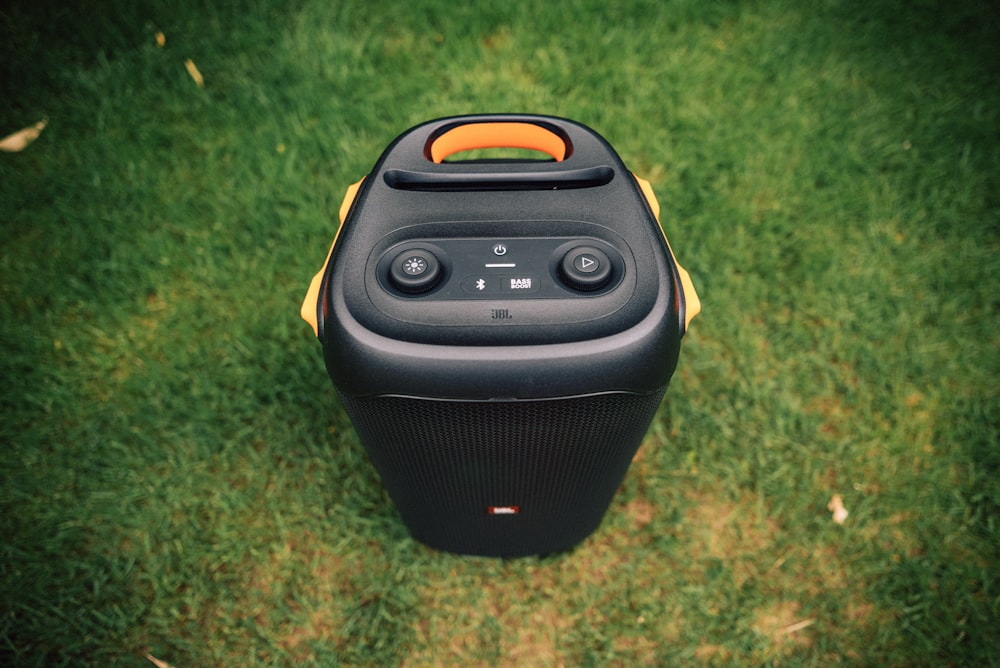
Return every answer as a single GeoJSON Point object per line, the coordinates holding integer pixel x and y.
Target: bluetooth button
{"type": "Point", "coordinates": [486, 284]}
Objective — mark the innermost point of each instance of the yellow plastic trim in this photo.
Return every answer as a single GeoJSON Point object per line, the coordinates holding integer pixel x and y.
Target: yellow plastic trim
{"type": "Point", "coordinates": [692, 304]}
{"type": "Point", "coordinates": [498, 135]}
{"type": "Point", "coordinates": [309, 304]}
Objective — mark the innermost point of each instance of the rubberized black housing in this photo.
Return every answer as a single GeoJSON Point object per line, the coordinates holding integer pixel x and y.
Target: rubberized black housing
{"type": "Point", "coordinates": [500, 333]}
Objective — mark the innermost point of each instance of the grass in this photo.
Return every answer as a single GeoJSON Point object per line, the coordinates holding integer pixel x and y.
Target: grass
{"type": "Point", "coordinates": [178, 479]}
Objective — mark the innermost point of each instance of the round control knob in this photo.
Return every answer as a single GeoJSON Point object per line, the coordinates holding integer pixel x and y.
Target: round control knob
{"type": "Point", "coordinates": [585, 268]}
{"type": "Point", "coordinates": [415, 270]}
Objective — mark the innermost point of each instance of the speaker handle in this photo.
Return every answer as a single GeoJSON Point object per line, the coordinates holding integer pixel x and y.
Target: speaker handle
{"type": "Point", "coordinates": [497, 134]}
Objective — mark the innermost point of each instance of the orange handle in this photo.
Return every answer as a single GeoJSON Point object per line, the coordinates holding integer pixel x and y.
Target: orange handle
{"type": "Point", "coordinates": [497, 135]}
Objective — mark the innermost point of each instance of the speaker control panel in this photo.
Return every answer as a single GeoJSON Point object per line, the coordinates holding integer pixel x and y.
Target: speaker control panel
{"type": "Point", "coordinates": [515, 268]}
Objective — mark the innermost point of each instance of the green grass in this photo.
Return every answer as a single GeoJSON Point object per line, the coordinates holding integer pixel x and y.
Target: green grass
{"type": "Point", "coordinates": [178, 479]}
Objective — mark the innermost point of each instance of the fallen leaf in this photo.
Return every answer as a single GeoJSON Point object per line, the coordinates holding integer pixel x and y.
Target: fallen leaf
{"type": "Point", "coordinates": [157, 662]}
{"type": "Point", "coordinates": [20, 139]}
{"type": "Point", "coordinates": [836, 506]}
{"type": "Point", "coordinates": [798, 626]}
{"type": "Point", "coordinates": [195, 74]}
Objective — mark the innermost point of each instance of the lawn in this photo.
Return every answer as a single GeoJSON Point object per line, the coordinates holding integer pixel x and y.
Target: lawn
{"type": "Point", "coordinates": [180, 484]}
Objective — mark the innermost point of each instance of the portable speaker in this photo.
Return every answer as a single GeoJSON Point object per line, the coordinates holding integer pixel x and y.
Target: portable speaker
{"type": "Point", "coordinates": [500, 331]}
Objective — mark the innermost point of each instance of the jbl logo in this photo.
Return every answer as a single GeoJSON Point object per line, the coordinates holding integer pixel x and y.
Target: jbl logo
{"type": "Point", "coordinates": [500, 314]}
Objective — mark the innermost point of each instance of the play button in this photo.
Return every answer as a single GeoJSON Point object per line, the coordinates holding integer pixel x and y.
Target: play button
{"type": "Point", "coordinates": [585, 268]}
{"type": "Point", "coordinates": [587, 263]}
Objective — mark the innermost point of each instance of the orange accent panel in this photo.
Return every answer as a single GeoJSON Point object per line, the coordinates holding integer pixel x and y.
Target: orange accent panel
{"type": "Point", "coordinates": [498, 135]}
{"type": "Point", "coordinates": [308, 310]}
{"type": "Point", "coordinates": [692, 303]}
{"type": "Point", "coordinates": [647, 191]}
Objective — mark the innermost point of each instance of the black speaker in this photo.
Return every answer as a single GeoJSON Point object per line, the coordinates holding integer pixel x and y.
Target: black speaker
{"type": "Point", "coordinates": [500, 330]}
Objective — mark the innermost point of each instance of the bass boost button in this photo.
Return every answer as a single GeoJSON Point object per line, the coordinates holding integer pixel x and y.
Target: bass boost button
{"type": "Point", "coordinates": [585, 268]}
{"type": "Point", "coordinates": [415, 270]}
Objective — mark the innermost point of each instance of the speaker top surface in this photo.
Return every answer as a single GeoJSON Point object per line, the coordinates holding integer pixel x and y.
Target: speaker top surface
{"type": "Point", "coordinates": [548, 277]}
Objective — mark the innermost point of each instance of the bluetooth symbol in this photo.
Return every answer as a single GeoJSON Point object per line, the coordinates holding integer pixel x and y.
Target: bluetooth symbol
{"type": "Point", "coordinates": [480, 284]}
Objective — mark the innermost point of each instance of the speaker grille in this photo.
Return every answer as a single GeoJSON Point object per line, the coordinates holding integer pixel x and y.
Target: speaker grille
{"type": "Point", "coordinates": [502, 478]}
